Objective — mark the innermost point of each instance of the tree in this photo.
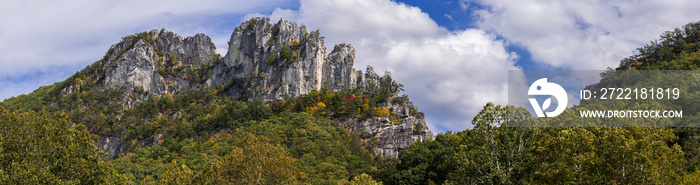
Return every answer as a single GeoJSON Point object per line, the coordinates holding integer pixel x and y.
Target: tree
{"type": "Point", "coordinates": [258, 162]}
{"type": "Point", "coordinates": [421, 163]}
{"type": "Point", "coordinates": [175, 174]}
{"type": "Point", "coordinates": [42, 148]}
{"type": "Point", "coordinates": [565, 155]}
{"type": "Point", "coordinates": [362, 179]}
{"type": "Point", "coordinates": [493, 152]}
{"type": "Point", "coordinates": [609, 155]}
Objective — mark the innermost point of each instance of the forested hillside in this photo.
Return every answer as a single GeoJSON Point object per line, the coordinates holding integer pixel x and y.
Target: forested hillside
{"type": "Point", "coordinates": [166, 108]}
{"type": "Point", "coordinates": [204, 134]}
{"type": "Point", "coordinates": [496, 153]}
{"type": "Point", "coordinates": [201, 119]}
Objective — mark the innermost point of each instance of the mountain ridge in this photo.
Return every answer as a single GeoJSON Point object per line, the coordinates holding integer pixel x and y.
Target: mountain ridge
{"type": "Point", "coordinates": [265, 61]}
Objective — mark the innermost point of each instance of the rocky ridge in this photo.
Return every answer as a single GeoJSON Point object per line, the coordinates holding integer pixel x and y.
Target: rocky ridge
{"type": "Point", "coordinates": [264, 61]}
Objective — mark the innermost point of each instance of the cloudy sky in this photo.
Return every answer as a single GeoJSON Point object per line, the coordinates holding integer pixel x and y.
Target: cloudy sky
{"type": "Point", "coordinates": [452, 56]}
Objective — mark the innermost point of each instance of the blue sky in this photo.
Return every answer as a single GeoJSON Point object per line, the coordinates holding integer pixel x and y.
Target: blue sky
{"type": "Point", "coordinates": [452, 56]}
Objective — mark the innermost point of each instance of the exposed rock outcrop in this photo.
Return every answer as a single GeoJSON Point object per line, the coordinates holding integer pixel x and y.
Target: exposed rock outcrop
{"type": "Point", "coordinates": [136, 67]}
{"type": "Point", "coordinates": [111, 144]}
{"type": "Point", "coordinates": [264, 61]}
{"type": "Point", "coordinates": [138, 62]}
{"type": "Point", "coordinates": [269, 60]}
{"type": "Point", "coordinates": [390, 138]}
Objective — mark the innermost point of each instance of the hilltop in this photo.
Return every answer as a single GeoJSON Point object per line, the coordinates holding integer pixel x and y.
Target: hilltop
{"type": "Point", "coordinates": [156, 90]}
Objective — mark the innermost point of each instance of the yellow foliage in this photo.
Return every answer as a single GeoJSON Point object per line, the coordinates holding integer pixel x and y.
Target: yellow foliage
{"type": "Point", "coordinates": [169, 96]}
{"type": "Point", "coordinates": [394, 120]}
{"type": "Point", "coordinates": [311, 110]}
{"type": "Point", "coordinates": [381, 112]}
{"type": "Point", "coordinates": [316, 109]}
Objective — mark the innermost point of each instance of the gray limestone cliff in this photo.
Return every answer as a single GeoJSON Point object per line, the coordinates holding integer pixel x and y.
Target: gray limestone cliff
{"type": "Point", "coordinates": [269, 60]}
{"type": "Point", "coordinates": [390, 138]}
{"type": "Point", "coordinates": [264, 61]}
{"type": "Point", "coordinates": [135, 61]}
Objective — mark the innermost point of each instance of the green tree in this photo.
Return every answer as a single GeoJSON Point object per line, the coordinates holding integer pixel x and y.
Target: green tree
{"type": "Point", "coordinates": [175, 174]}
{"type": "Point", "coordinates": [565, 155]}
{"type": "Point", "coordinates": [42, 148]}
{"type": "Point", "coordinates": [617, 155]}
{"type": "Point", "coordinates": [493, 152]}
{"type": "Point", "coordinates": [362, 179]}
{"type": "Point", "coordinates": [258, 162]}
{"type": "Point", "coordinates": [421, 163]}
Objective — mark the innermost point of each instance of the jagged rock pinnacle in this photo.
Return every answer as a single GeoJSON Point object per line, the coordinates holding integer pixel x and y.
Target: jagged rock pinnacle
{"type": "Point", "coordinates": [264, 61]}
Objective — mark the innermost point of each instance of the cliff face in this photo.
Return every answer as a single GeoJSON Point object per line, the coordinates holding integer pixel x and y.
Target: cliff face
{"type": "Point", "coordinates": [135, 61]}
{"type": "Point", "coordinates": [264, 61]}
{"type": "Point", "coordinates": [269, 60]}
{"type": "Point", "coordinates": [390, 138]}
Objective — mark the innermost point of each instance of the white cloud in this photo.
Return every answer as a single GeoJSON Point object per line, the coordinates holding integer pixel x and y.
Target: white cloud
{"type": "Point", "coordinates": [464, 4]}
{"type": "Point", "coordinates": [449, 17]}
{"type": "Point", "coordinates": [449, 75]}
{"type": "Point", "coordinates": [452, 77]}
{"type": "Point", "coordinates": [584, 34]}
{"type": "Point", "coordinates": [45, 36]}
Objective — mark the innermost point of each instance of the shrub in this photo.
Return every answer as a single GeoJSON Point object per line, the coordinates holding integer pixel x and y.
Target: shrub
{"type": "Point", "coordinates": [295, 45]}
{"type": "Point", "coordinates": [251, 23]}
{"type": "Point", "coordinates": [289, 54]}
{"type": "Point", "coordinates": [272, 58]}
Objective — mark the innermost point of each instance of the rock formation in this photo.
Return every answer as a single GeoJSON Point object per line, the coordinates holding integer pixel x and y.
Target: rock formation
{"type": "Point", "coordinates": [390, 138]}
{"type": "Point", "coordinates": [134, 61]}
{"type": "Point", "coordinates": [264, 61]}
{"type": "Point", "coordinates": [269, 60]}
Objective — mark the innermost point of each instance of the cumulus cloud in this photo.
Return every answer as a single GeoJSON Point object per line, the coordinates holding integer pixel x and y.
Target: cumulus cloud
{"type": "Point", "coordinates": [583, 34]}
{"type": "Point", "coordinates": [449, 75]}
{"type": "Point", "coordinates": [452, 77]}
{"type": "Point", "coordinates": [46, 36]}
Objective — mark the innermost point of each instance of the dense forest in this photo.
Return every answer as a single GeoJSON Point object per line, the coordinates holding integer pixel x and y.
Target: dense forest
{"type": "Point", "coordinates": [211, 138]}
{"type": "Point", "coordinates": [290, 141]}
